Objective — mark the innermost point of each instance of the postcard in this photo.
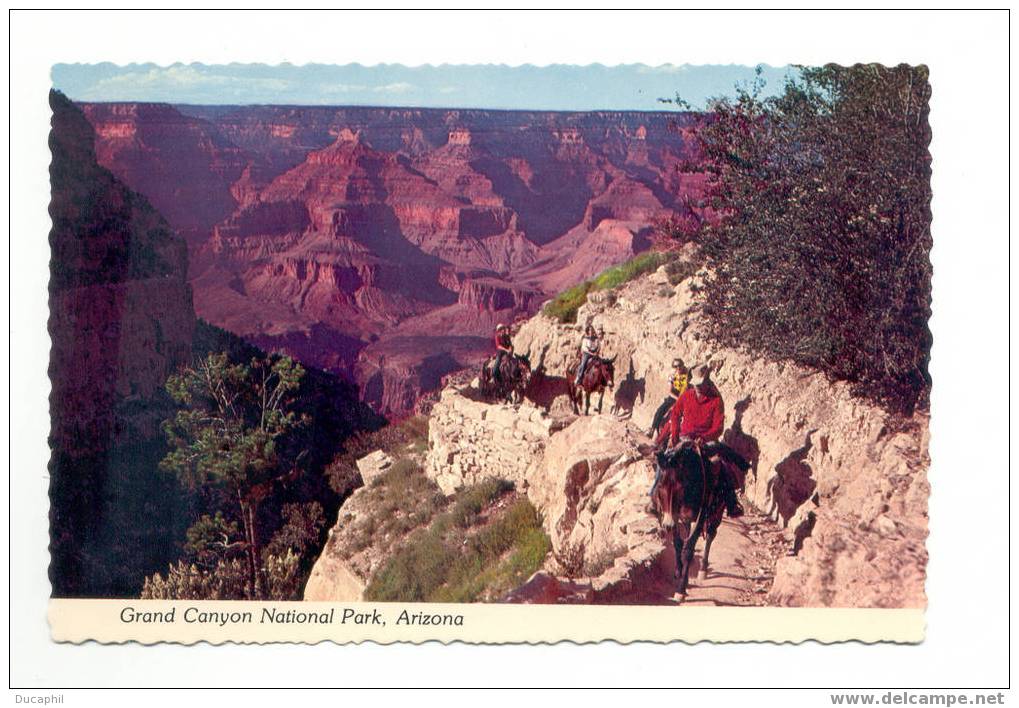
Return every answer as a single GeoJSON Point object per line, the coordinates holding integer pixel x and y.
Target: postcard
{"type": "Point", "coordinates": [489, 354]}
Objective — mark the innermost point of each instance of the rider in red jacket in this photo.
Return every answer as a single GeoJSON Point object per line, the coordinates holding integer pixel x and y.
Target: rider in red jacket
{"type": "Point", "coordinates": [699, 416]}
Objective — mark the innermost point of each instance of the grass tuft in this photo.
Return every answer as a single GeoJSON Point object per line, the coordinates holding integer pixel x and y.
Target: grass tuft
{"type": "Point", "coordinates": [565, 305]}
{"type": "Point", "coordinates": [462, 557]}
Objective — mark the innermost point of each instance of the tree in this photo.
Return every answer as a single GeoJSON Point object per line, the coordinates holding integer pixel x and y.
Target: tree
{"type": "Point", "coordinates": [233, 433]}
{"type": "Point", "coordinates": [820, 249]}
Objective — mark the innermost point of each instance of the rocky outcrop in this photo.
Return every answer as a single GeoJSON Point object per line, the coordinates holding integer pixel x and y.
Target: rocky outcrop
{"type": "Point", "coordinates": [121, 316]}
{"type": "Point", "coordinates": [469, 440]}
{"type": "Point", "coordinates": [591, 486]}
{"type": "Point", "coordinates": [182, 164]}
{"type": "Point", "coordinates": [373, 465]}
{"type": "Point", "coordinates": [585, 475]}
{"type": "Point", "coordinates": [844, 479]}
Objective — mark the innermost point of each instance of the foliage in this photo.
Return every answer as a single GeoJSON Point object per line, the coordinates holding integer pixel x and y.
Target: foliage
{"type": "Point", "coordinates": [231, 433]}
{"type": "Point", "coordinates": [407, 436]}
{"type": "Point", "coordinates": [565, 305]}
{"type": "Point", "coordinates": [821, 254]}
{"type": "Point", "coordinates": [400, 500]}
{"type": "Point", "coordinates": [212, 539]}
{"type": "Point", "coordinates": [232, 419]}
{"type": "Point", "coordinates": [472, 500]}
{"type": "Point", "coordinates": [227, 580]}
{"type": "Point", "coordinates": [625, 272]}
{"type": "Point", "coordinates": [464, 555]}
{"type": "Point", "coordinates": [679, 270]}
{"type": "Point", "coordinates": [300, 531]}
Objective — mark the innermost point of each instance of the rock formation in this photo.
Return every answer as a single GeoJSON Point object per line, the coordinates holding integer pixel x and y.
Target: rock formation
{"type": "Point", "coordinates": [845, 481]}
{"type": "Point", "coordinates": [350, 237]}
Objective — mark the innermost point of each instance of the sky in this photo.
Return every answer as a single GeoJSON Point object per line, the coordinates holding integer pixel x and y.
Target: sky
{"type": "Point", "coordinates": [555, 87]}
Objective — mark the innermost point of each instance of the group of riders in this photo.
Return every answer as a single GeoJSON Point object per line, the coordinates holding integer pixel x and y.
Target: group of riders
{"type": "Point", "coordinates": [689, 421]}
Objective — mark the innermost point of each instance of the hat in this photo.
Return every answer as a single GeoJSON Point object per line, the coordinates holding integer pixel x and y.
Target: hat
{"type": "Point", "coordinates": [701, 375]}
{"type": "Point", "coordinates": [500, 326]}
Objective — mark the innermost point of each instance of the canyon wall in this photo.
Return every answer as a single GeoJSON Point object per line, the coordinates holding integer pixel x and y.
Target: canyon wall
{"type": "Point", "coordinates": [350, 237]}
{"type": "Point", "coordinates": [845, 480]}
{"type": "Point", "coordinates": [121, 319]}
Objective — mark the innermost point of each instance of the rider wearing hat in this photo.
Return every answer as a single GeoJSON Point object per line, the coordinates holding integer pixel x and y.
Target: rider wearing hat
{"type": "Point", "coordinates": [697, 418]}
{"type": "Point", "coordinates": [503, 348]}
{"type": "Point", "coordinates": [589, 346]}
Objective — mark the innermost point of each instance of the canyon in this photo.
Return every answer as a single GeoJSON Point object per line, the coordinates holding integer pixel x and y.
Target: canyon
{"type": "Point", "coordinates": [383, 245]}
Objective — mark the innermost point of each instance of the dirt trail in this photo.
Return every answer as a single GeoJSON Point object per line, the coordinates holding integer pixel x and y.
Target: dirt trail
{"type": "Point", "coordinates": [742, 563]}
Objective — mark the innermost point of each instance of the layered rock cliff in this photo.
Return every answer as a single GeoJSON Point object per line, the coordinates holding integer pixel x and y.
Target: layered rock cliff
{"type": "Point", "coordinates": [121, 320]}
{"type": "Point", "coordinates": [342, 234]}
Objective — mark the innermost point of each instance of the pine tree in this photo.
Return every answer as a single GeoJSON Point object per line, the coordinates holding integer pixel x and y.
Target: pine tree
{"type": "Point", "coordinates": [233, 433]}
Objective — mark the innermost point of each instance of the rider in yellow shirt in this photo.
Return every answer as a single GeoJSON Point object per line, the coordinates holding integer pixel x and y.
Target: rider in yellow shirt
{"type": "Point", "coordinates": [680, 379]}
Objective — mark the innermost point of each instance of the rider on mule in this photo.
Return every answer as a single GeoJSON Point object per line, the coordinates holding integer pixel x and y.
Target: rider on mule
{"type": "Point", "coordinates": [503, 348]}
{"type": "Point", "coordinates": [680, 378]}
{"type": "Point", "coordinates": [589, 346]}
{"type": "Point", "coordinates": [697, 419]}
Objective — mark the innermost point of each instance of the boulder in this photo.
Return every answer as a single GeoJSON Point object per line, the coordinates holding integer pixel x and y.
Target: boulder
{"type": "Point", "coordinates": [592, 490]}
{"type": "Point", "coordinates": [373, 464]}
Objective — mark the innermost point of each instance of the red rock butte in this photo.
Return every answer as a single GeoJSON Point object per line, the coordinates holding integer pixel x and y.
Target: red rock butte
{"type": "Point", "coordinates": [384, 244]}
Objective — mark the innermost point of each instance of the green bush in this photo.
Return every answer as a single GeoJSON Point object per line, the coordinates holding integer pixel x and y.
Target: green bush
{"type": "Point", "coordinates": [565, 305]}
{"type": "Point", "coordinates": [408, 435]}
{"type": "Point", "coordinates": [823, 253]}
{"type": "Point", "coordinates": [473, 499]}
{"type": "Point", "coordinates": [401, 499]}
{"type": "Point", "coordinates": [678, 271]}
{"type": "Point", "coordinates": [459, 560]}
{"type": "Point", "coordinates": [625, 272]}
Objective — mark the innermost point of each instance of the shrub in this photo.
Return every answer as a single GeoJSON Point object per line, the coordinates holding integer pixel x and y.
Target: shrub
{"type": "Point", "coordinates": [472, 500]}
{"type": "Point", "coordinates": [565, 305]}
{"type": "Point", "coordinates": [625, 272]}
{"type": "Point", "coordinates": [458, 560]}
{"type": "Point", "coordinates": [408, 435]}
{"type": "Point", "coordinates": [570, 560]}
{"type": "Point", "coordinates": [678, 271]}
{"type": "Point", "coordinates": [399, 500]}
{"type": "Point", "coordinates": [822, 252]}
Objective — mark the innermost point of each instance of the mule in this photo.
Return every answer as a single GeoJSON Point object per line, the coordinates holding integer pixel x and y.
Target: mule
{"type": "Point", "coordinates": [600, 375]}
{"type": "Point", "coordinates": [689, 491]}
{"type": "Point", "coordinates": [514, 377]}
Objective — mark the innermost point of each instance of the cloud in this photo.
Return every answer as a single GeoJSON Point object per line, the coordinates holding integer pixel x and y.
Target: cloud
{"type": "Point", "coordinates": [663, 69]}
{"type": "Point", "coordinates": [341, 88]}
{"type": "Point", "coordinates": [399, 87]}
{"type": "Point", "coordinates": [131, 84]}
{"type": "Point", "coordinates": [448, 89]}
